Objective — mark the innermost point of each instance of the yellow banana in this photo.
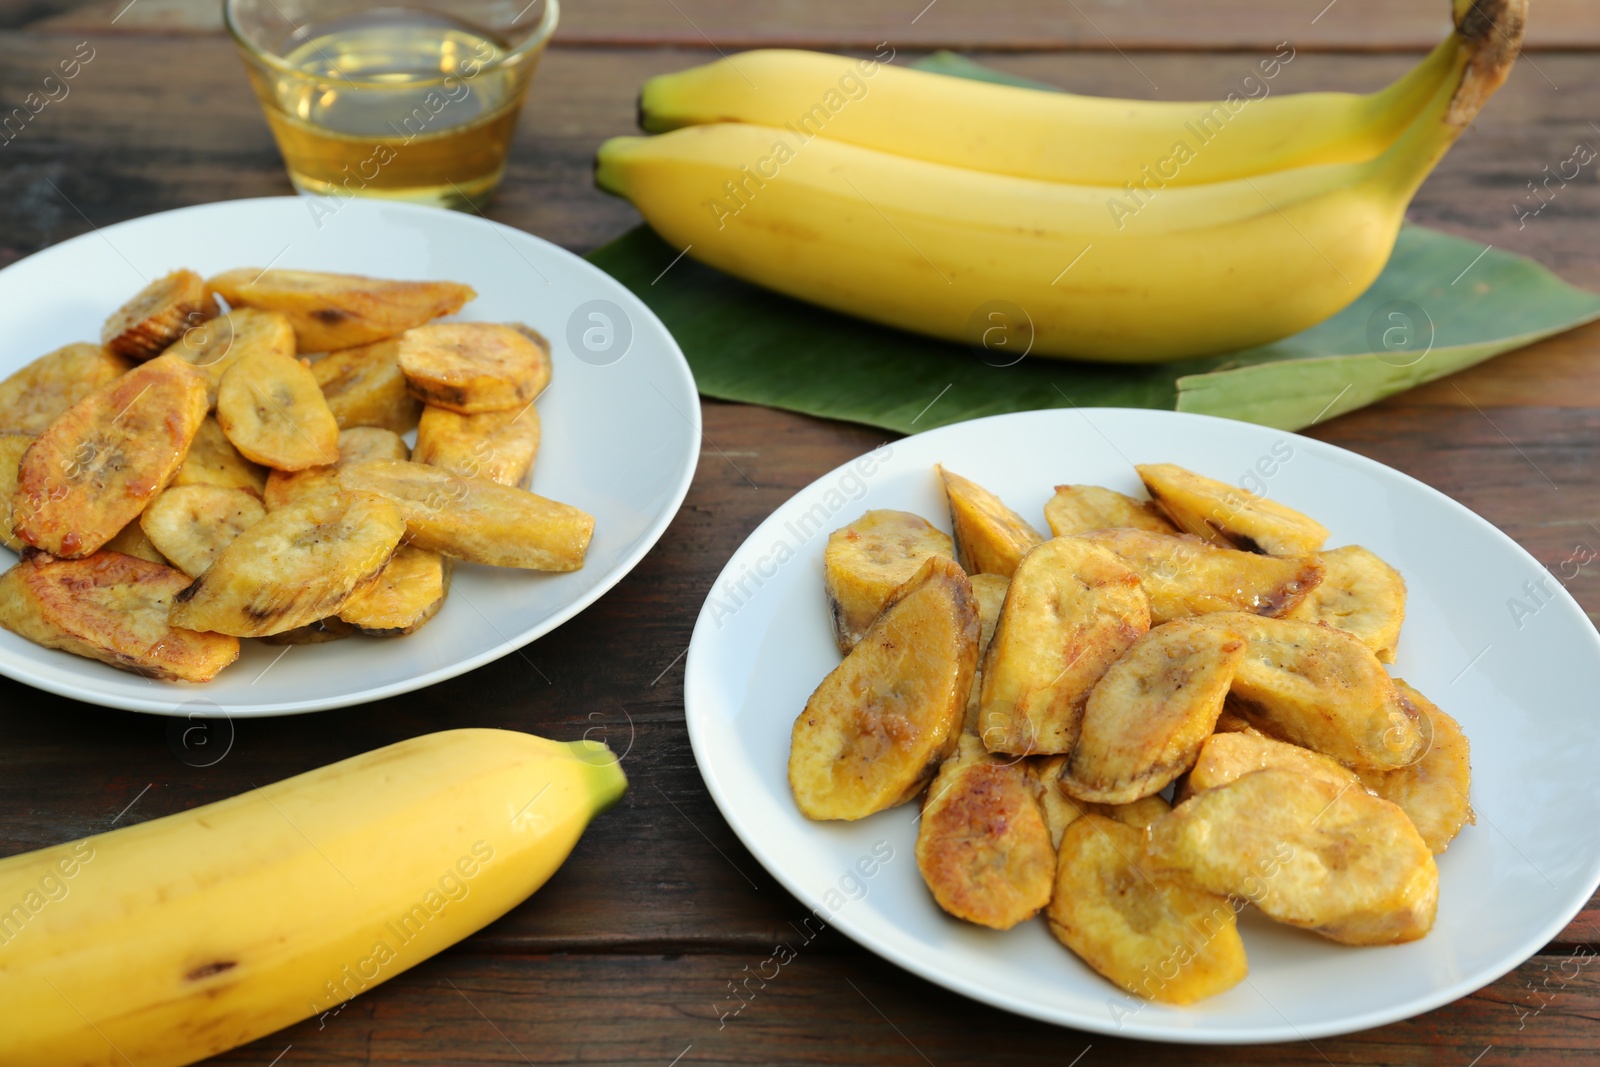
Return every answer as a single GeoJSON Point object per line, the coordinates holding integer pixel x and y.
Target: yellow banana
{"type": "Point", "coordinates": [1064, 270]}
{"type": "Point", "coordinates": [163, 943]}
{"type": "Point", "coordinates": [1031, 133]}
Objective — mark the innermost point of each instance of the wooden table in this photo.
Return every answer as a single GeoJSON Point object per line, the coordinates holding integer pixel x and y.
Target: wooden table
{"type": "Point", "coordinates": [628, 954]}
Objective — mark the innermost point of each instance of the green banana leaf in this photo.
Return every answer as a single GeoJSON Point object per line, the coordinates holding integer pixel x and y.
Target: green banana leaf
{"type": "Point", "coordinates": [1441, 304]}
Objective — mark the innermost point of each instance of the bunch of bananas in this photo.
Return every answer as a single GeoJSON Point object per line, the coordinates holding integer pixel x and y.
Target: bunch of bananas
{"type": "Point", "coordinates": [1092, 228]}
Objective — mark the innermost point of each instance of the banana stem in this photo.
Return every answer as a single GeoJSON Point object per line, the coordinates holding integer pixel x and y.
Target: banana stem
{"type": "Point", "coordinates": [1490, 33]}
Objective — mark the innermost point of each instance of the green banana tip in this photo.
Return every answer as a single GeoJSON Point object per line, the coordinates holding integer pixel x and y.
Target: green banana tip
{"type": "Point", "coordinates": [608, 779]}
{"type": "Point", "coordinates": [607, 169]}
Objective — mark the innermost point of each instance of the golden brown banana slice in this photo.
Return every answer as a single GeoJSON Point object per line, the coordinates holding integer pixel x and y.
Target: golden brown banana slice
{"type": "Point", "coordinates": [12, 446]}
{"type": "Point", "coordinates": [990, 538]}
{"type": "Point", "coordinates": [408, 593]}
{"type": "Point", "coordinates": [474, 367]}
{"type": "Point", "coordinates": [1336, 860]}
{"type": "Point", "coordinates": [477, 520]}
{"type": "Point", "coordinates": [294, 567]}
{"type": "Point", "coordinates": [1434, 791]}
{"type": "Point", "coordinates": [1322, 689]}
{"type": "Point", "coordinates": [1071, 610]}
{"type": "Point", "coordinates": [1230, 756]}
{"type": "Point", "coordinates": [1078, 509]}
{"type": "Point", "coordinates": [96, 467]}
{"type": "Point", "coordinates": [1138, 814]}
{"type": "Point", "coordinates": [1060, 811]}
{"type": "Point", "coordinates": [1148, 716]}
{"type": "Point", "coordinates": [133, 542]}
{"type": "Point", "coordinates": [982, 844]}
{"type": "Point", "coordinates": [272, 409]}
{"type": "Point", "coordinates": [882, 721]}
{"type": "Point", "coordinates": [1152, 933]}
{"type": "Point", "coordinates": [1361, 594]}
{"type": "Point", "coordinates": [1184, 575]}
{"type": "Point", "coordinates": [112, 608]}
{"type": "Point", "coordinates": [356, 445]}
{"type": "Point", "coordinates": [192, 524]}
{"type": "Point", "coordinates": [364, 387]}
{"type": "Point", "coordinates": [212, 460]}
{"type": "Point", "coordinates": [1231, 721]}
{"type": "Point", "coordinates": [313, 633]}
{"type": "Point", "coordinates": [1227, 514]}
{"type": "Point", "coordinates": [332, 311]}
{"type": "Point", "coordinates": [158, 315]}
{"type": "Point", "coordinates": [497, 445]}
{"type": "Point", "coordinates": [990, 592]}
{"type": "Point", "coordinates": [217, 344]}
{"type": "Point", "coordinates": [866, 561]}
{"type": "Point", "coordinates": [33, 397]}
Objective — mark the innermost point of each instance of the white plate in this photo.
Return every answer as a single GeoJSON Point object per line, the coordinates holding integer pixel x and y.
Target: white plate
{"type": "Point", "coordinates": [1524, 695]}
{"type": "Point", "coordinates": [621, 426]}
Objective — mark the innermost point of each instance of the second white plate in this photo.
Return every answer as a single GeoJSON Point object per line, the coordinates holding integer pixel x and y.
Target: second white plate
{"type": "Point", "coordinates": [1521, 685]}
{"type": "Point", "coordinates": [620, 422]}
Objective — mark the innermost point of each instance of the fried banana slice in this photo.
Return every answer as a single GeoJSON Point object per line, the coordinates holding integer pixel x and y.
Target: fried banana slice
{"type": "Point", "coordinates": [1226, 514]}
{"type": "Point", "coordinates": [477, 520]}
{"type": "Point", "coordinates": [158, 315]}
{"type": "Point", "coordinates": [1322, 689]}
{"type": "Point", "coordinates": [12, 446]}
{"type": "Point", "coordinates": [294, 567]}
{"type": "Point", "coordinates": [96, 467]}
{"type": "Point", "coordinates": [1148, 716]}
{"type": "Point", "coordinates": [313, 633]}
{"type": "Point", "coordinates": [1060, 811]}
{"type": "Point", "coordinates": [332, 311]}
{"type": "Point", "coordinates": [1231, 722]}
{"type": "Point", "coordinates": [982, 844]}
{"type": "Point", "coordinates": [474, 367]}
{"type": "Point", "coordinates": [192, 524]}
{"type": "Point", "coordinates": [1434, 791]}
{"type": "Point", "coordinates": [990, 537]}
{"type": "Point", "coordinates": [408, 593]}
{"type": "Point", "coordinates": [112, 608]}
{"type": "Point", "coordinates": [1079, 509]}
{"type": "Point", "coordinates": [881, 722]}
{"type": "Point", "coordinates": [1150, 932]}
{"type": "Point", "coordinates": [1361, 594]}
{"type": "Point", "coordinates": [217, 344]}
{"type": "Point", "coordinates": [272, 409]}
{"type": "Point", "coordinates": [212, 460]}
{"type": "Point", "coordinates": [497, 445]}
{"type": "Point", "coordinates": [866, 561]}
{"type": "Point", "coordinates": [356, 445]}
{"type": "Point", "coordinates": [1338, 861]}
{"type": "Point", "coordinates": [1138, 814]}
{"type": "Point", "coordinates": [1228, 757]}
{"type": "Point", "coordinates": [1184, 575]}
{"type": "Point", "coordinates": [1071, 610]}
{"type": "Point", "coordinates": [364, 387]}
{"type": "Point", "coordinates": [990, 591]}
{"type": "Point", "coordinates": [133, 542]}
{"type": "Point", "coordinates": [33, 397]}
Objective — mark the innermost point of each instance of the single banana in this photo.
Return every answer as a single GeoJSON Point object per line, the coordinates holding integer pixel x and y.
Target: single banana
{"type": "Point", "coordinates": [164, 943]}
{"type": "Point", "coordinates": [1062, 270]}
{"type": "Point", "coordinates": [1032, 133]}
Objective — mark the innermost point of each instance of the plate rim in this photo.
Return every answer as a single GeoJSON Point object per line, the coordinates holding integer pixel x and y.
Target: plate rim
{"type": "Point", "coordinates": [852, 925]}
{"type": "Point", "coordinates": [625, 565]}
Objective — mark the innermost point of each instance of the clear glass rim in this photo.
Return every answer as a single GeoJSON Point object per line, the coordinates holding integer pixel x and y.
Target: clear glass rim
{"type": "Point", "coordinates": [536, 40]}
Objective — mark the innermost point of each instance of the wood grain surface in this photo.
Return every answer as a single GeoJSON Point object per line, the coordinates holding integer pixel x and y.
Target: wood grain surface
{"type": "Point", "coordinates": [626, 955]}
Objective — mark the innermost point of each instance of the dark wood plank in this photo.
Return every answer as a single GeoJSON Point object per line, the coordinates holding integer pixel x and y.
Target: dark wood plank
{"type": "Point", "coordinates": [824, 1008]}
{"type": "Point", "coordinates": [1018, 25]}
